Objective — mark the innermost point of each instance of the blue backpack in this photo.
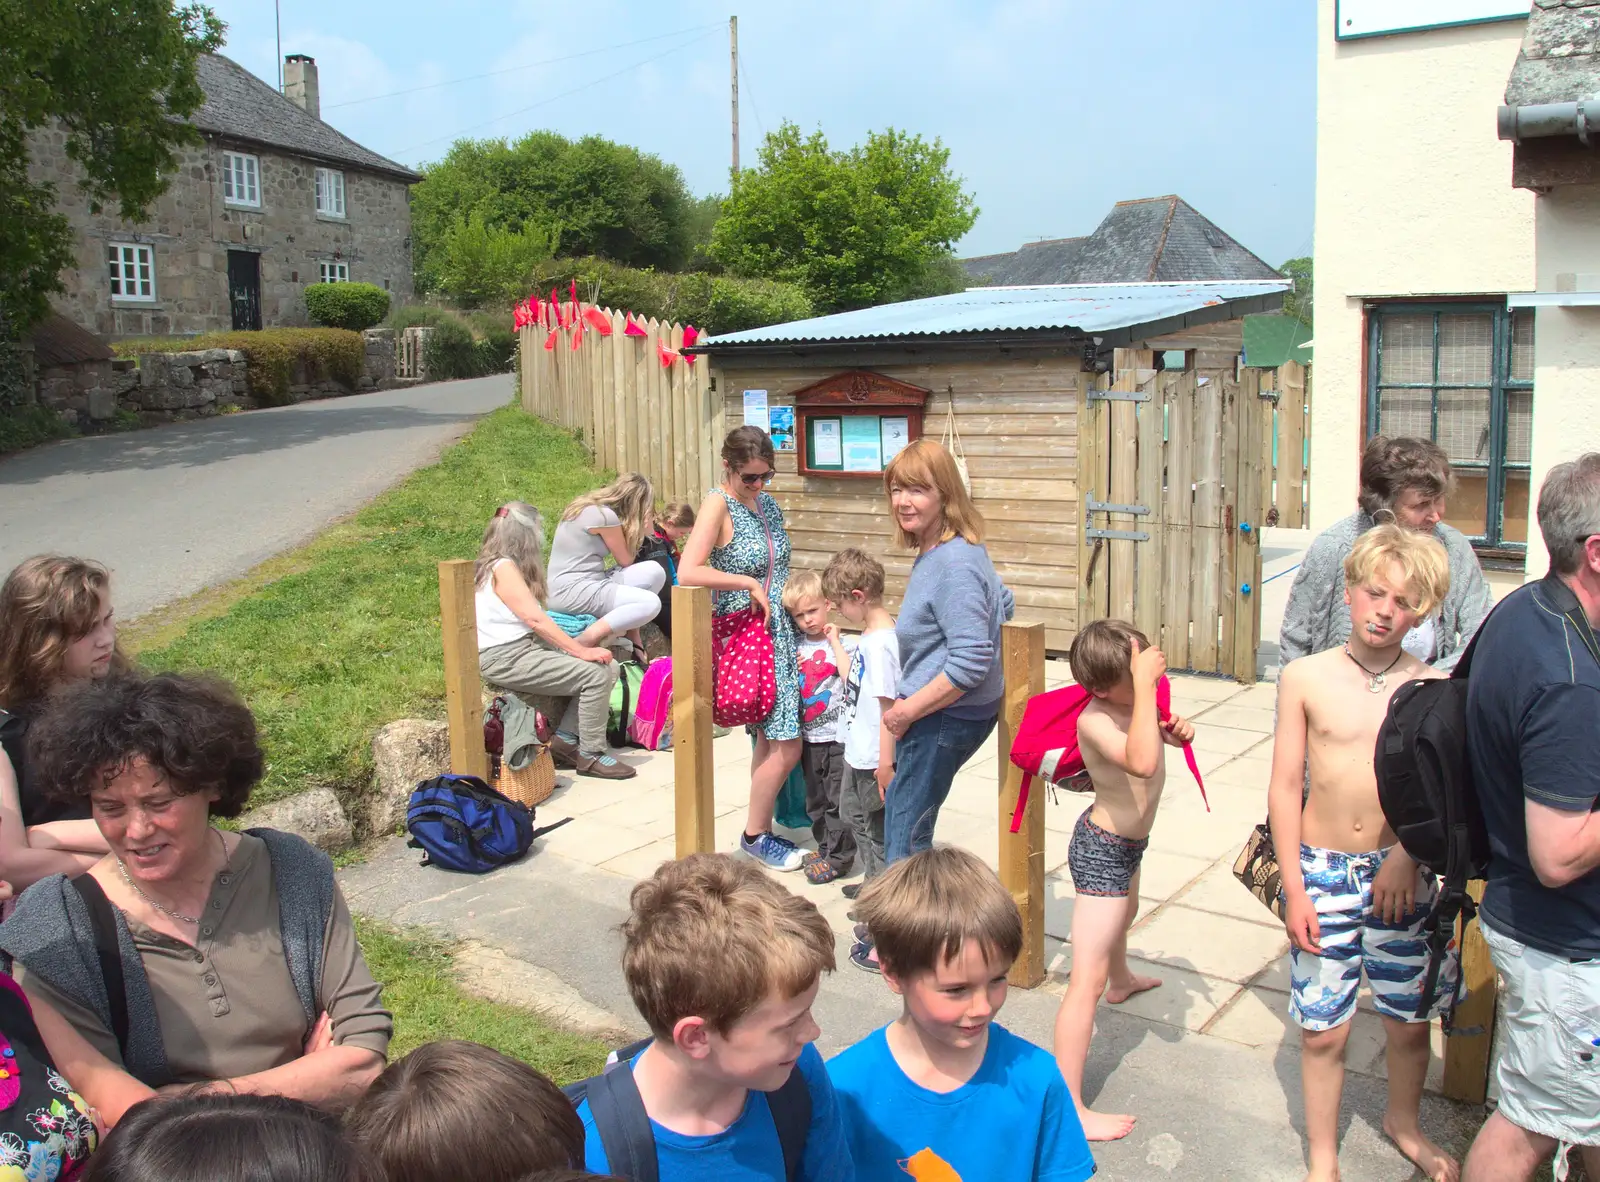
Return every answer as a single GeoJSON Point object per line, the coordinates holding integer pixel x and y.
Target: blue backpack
{"type": "Point", "coordinates": [460, 823]}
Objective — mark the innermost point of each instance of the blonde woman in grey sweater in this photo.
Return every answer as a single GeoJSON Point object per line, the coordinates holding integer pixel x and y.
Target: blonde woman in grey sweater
{"type": "Point", "coordinates": [1405, 481]}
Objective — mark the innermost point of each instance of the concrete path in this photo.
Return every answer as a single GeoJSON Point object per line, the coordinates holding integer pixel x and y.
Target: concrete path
{"type": "Point", "coordinates": [1207, 1061]}
{"type": "Point", "coordinates": [176, 509]}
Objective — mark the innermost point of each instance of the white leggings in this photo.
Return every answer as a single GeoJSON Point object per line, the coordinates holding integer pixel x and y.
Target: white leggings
{"type": "Point", "coordinates": [633, 596]}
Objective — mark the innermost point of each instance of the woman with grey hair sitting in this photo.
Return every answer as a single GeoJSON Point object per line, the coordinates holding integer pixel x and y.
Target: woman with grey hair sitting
{"type": "Point", "coordinates": [1405, 481]}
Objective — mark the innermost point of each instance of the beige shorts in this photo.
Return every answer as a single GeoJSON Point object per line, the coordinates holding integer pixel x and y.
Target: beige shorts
{"type": "Point", "coordinates": [1549, 1068]}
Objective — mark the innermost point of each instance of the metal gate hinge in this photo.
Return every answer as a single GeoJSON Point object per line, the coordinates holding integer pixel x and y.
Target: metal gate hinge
{"type": "Point", "coordinates": [1120, 535]}
{"type": "Point", "coordinates": [1111, 507]}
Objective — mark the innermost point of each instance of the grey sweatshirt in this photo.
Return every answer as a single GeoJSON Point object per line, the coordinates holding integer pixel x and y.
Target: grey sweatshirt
{"type": "Point", "coordinates": [1318, 619]}
{"type": "Point", "coordinates": [950, 623]}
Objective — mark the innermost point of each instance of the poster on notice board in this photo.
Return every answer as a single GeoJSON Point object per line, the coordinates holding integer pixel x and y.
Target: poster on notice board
{"type": "Point", "coordinates": [782, 430]}
{"type": "Point", "coordinates": [755, 410]}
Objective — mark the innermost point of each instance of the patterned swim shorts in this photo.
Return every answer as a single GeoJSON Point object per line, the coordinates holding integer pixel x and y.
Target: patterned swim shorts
{"type": "Point", "coordinates": [1323, 988]}
{"type": "Point", "coordinates": [1103, 863]}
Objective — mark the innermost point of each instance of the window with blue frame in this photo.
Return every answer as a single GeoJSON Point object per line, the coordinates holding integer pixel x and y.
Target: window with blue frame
{"type": "Point", "coordinates": [1461, 374]}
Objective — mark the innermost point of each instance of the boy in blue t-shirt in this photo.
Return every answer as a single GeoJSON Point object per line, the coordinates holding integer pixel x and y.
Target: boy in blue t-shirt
{"type": "Point", "coordinates": [944, 1093]}
{"type": "Point", "coordinates": [723, 965]}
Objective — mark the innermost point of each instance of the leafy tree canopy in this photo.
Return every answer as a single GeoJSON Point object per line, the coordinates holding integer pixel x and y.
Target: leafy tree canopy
{"type": "Point", "coordinates": [866, 226]}
{"type": "Point", "coordinates": [597, 197]}
{"type": "Point", "coordinates": [1298, 301]}
{"type": "Point", "coordinates": [117, 78]}
{"type": "Point", "coordinates": [479, 264]}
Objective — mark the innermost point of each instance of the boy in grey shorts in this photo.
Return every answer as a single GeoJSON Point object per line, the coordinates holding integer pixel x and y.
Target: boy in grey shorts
{"type": "Point", "coordinates": [853, 582]}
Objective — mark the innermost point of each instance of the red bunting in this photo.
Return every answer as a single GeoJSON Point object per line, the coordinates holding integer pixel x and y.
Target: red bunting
{"type": "Point", "coordinates": [555, 311]}
{"type": "Point", "coordinates": [519, 316]}
{"type": "Point", "coordinates": [577, 336]}
{"type": "Point", "coordinates": [550, 341]}
{"type": "Point", "coordinates": [598, 320]}
{"type": "Point", "coordinates": [691, 334]}
{"type": "Point", "coordinates": [632, 329]}
{"type": "Point", "coordinates": [668, 356]}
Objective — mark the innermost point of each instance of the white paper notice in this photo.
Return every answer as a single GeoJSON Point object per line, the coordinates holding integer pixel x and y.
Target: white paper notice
{"type": "Point", "coordinates": [896, 434]}
{"type": "Point", "coordinates": [755, 410]}
{"type": "Point", "coordinates": [825, 448]}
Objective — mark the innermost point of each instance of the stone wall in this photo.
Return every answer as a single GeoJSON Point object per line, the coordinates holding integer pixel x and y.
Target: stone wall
{"type": "Point", "coordinates": [171, 387]}
{"type": "Point", "coordinates": [191, 230]}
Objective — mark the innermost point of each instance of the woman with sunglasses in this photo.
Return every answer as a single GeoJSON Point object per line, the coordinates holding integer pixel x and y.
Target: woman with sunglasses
{"type": "Point", "coordinates": [740, 550]}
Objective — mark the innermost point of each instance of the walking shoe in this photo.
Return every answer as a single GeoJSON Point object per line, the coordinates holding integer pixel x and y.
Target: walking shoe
{"type": "Point", "coordinates": [564, 751]}
{"type": "Point", "coordinates": [604, 767]}
{"type": "Point", "coordinates": [864, 956]}
{"type": "Point", "coordinates": [772, 851]}
{"type": "Point", "coordinates": [852, 890]}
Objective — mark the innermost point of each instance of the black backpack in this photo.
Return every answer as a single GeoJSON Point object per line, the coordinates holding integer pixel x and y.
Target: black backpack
{"type": "Point", "coordinates": [1424, 774]}
{"type": "Point", "coordinates": [624, 1126]}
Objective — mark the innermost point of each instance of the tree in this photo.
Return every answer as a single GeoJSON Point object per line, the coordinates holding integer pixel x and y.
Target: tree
{"type": "Point", "coordinates": [479, 264]}
{"type": "Point", "coordinates": [1297, 302]}
{"type": "Point", "coordinates": [601, 198]}
{"type": "Point", "coordinates": [118, 77]}
{"type": "Point", "coordinates": [852, 228]}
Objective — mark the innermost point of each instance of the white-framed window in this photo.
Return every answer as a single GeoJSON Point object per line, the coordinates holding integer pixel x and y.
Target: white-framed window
{"type": "Point", "coordinates": [330, 192]}
{"type": "Point", "coordinates": [333, 272]}
{"type": "Point", "coordinates": [133, 271]}
{"type": "Point", "coordinates": [241, 179]}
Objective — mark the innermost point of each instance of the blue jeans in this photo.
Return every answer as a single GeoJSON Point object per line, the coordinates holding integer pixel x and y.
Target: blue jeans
{"type": "Point", "coordinates": [926, 760]}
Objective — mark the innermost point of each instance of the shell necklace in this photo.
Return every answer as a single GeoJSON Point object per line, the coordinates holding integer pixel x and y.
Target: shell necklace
{"type": "Point", "coordinates": [1375, 678]}
{"type": "Point", "coordinates": [169, 912]}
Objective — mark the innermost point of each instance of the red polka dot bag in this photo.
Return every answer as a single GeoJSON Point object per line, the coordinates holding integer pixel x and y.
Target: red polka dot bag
{"type": "Point", "coordinates": [744, 675]}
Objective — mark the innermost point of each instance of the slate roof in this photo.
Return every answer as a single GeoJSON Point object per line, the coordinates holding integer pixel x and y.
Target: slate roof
{"type": "Point", "coordinates": [1036, 262]}
{"type": "Point", "coordinates": [1560, 58]}
{"type": "Point", "coordinates": [1113, 312]}
{"type": "Point", "coordinates": [59, 341]}
{"type": "Point", "coordinates": [1148, 240]}
{"type": "Point", "coordinates": [240, 106]}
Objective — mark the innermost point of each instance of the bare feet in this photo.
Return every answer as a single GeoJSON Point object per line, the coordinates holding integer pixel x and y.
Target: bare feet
{"type": "Point", "coordinates": [1105, 1126]}
{"type": "Point", "coordinates": [1323, 1174]}
{"type": "Point", "coordinates": [1434, 1162]}
{"type": "Point", "coordinates": [1118, 992]}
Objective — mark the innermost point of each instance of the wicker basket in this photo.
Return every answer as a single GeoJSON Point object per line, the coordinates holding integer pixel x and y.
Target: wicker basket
{"type": "Point", "coordinates": [532, 785]}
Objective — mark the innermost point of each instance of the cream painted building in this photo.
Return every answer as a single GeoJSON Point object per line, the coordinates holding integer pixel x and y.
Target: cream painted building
{"type": "Point", "coordinates": [1420, 238]}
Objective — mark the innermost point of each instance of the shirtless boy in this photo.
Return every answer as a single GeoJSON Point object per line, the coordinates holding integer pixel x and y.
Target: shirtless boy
{"type": "Point", "coordinates": [1354, 900]}
{"type": "Point", "coordinates": [1120, 738]}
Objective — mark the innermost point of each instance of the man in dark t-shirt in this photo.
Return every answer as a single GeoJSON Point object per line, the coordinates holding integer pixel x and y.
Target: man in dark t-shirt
{"type": "Point", "coordinates": [1533, 736]}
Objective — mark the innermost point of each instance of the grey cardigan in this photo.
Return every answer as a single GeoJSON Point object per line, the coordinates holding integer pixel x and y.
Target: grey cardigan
{"type": "Point", "coordinates": [51, 934]}
{"type": "Point", "coordinates": [1317, 618]}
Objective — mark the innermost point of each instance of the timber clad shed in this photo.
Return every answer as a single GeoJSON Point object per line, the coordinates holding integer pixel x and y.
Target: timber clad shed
{"type": "Point", "coordinates": [1065, 399]}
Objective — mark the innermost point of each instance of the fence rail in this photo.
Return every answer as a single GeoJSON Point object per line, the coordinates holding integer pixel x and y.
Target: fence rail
{"type": "Point", "coordinates": [636, 412]}
{"type": "Point", "coordinates": [1285, 474]}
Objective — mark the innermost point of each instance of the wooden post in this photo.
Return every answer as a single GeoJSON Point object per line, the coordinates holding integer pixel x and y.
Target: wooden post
{"type": "Point", "coordinates": [1021, 853]}
{"type": "Point", "coordinates": [692, 766]}
{"type": "Point", "coordinates": [1466, 1056]}
{"type": "Point", "coordinates": [463, 688]}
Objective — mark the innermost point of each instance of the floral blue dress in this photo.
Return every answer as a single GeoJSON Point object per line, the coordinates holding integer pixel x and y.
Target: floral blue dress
{"type": "Point", "coordinates": [746, 554]}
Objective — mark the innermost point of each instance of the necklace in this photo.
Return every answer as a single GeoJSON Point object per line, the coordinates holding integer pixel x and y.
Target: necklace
{"type": "Point", "coordinates": [169, 912]}
{"type": "Point", "coordinates": [1375, 677]}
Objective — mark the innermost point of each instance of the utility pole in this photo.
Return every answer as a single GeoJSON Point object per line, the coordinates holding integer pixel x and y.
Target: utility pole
{"type": "Point", "coordinates": [733, 50]}
{"type": "Point", "coordinates": [277, 18]}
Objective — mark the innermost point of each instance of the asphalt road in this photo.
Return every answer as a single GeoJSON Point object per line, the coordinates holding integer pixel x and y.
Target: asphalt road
{"type": "Point", "coordinates": [175, 509]}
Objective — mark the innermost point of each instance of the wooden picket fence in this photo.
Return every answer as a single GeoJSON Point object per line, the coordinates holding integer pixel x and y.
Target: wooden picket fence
{"type": "Point", "coordinates": [1285, 474]}
{"type": "Point", "coordinates": [634, 413]}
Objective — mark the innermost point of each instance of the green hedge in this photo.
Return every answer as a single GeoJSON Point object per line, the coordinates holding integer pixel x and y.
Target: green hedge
{"type": "Point", "coordinates": [462, 345]}
{"type": "Point", "coordinates": [712, 303]}
{"type": "Point", "coordinates": [334, 354]}
{"type": "Point", "coordinates": [355, 306]}
{"type": "Point", "coordinates": [26, 426]}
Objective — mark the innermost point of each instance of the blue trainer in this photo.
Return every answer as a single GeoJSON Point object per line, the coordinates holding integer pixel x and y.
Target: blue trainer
{"type": "Point", "coordinates": [773, 851]}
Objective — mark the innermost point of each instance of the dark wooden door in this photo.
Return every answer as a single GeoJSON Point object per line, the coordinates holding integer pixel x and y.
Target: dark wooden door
{"type": "Point", "coordinates": [244, 288]}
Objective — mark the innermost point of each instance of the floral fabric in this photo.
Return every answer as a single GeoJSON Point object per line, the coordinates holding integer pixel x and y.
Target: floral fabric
{"type": "Point", "coordinates": [746, 554]}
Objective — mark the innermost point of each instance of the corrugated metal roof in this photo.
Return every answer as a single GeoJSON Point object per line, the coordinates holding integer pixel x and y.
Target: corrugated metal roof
{"type": "Point", "coordinates": [1086, 309]}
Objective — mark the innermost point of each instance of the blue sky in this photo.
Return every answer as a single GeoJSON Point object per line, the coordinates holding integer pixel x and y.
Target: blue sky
{"type": "Point", "coordinates": [1052, 109]}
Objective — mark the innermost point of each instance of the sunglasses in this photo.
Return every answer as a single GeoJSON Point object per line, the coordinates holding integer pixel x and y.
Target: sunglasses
{"type": "Point", "coordinates": [755, 478]}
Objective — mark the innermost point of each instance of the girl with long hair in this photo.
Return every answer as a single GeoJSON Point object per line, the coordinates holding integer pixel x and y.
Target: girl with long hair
{"type": "Point", "coordinates": [610, 521]}
{"type": "Point", "coordinates": [521, 649]}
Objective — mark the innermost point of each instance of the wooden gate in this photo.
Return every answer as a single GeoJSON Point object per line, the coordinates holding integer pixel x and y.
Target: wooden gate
{"type": "Point", "coordinates": [1285, 444]}
{"type": "Point", "coordinates": [1170, 473]}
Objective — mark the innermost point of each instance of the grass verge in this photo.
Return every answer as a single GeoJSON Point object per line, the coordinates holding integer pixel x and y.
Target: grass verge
{"type": "Point", "coordinates": [330, 641]}
{"type": "Point", "coordinates": [420, 989]}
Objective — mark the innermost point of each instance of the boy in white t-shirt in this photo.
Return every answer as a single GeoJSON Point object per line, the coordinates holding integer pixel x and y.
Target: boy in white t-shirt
{"type": "Point", "coordinates": [854, 583]}
{"type": "Point", "coordinates": [822, 658]}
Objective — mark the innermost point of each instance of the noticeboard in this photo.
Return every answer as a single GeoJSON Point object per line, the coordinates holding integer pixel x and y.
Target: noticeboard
{"type": "Point", "coordinates": [854, 423]}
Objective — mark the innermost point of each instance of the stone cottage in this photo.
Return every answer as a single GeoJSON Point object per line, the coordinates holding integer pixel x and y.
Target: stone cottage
{"type": "Point", "coordinates": [273, 199]}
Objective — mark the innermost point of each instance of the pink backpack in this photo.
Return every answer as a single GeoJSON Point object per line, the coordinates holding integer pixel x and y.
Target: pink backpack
{"type": "Point", "coordinates": [651, 727]}
{"type": "Point", "coordinates": [1046, 743]}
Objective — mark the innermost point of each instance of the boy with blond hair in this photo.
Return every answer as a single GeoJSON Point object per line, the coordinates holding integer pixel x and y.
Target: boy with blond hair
{"type": "Point", "coordinates": [723, 964]}
{"type": "Point", "coordinates": [823, 658]}
{"type": "Point", "coordinates": [1121, 737]}
{"type": "Point", "coordinates": [944, 1092]}
{"type": "Point", "coordinates": [853, 582]}
{"type": "Point", "coordinates": [1353, 899]}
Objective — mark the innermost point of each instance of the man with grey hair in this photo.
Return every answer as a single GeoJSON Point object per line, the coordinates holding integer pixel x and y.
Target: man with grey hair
{"type": "Point", "coordinates": [1533, 736]}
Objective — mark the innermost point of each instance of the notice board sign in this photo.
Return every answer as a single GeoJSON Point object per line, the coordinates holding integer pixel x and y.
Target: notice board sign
{"type": "Point", "coordinates": [1377, 18]}
{"type": "Point", "coordinates": [854, 423]}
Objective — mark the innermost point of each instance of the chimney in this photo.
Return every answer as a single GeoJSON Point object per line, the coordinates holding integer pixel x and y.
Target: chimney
{"type": "Point", "coordinates": [300, 83]}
